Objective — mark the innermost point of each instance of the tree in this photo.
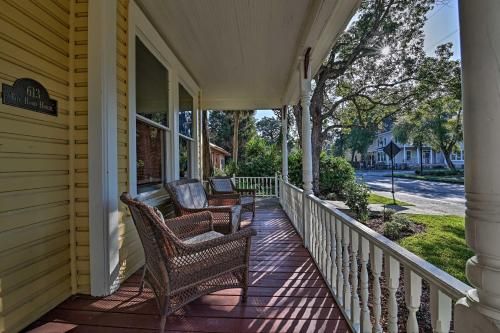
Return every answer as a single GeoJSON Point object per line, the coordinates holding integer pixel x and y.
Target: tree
{"type": "Point", "coordinates": [438, 118]}
{"type": "Point", "coordinates": [207, 160]}
{"type": "Point", "coordinates": [222, 129]}
{"type": "Point", "coordinates": [372, 68]}
{"type": "Point", "coordinates": [359, 139]}
{"type": "Point", "coordinates": [269, 128]}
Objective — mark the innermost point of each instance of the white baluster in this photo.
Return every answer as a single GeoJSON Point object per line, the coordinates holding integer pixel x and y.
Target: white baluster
{"type": "Point", "coordinates": [328, 247]}
{"type": "Point", "coordinates": [376, 266]}
{"type": "Point", "coordinates": [324, 251]}
{"type": "Point", "coordinates": [340, 275]}
{"type": "Point", "coordinates": [413, 291]}
{"type": "Point", "coordinates": [392, 270]}
{"type": "Point", "coordinates": [333, 254]}
{"type": "Point", "coordinates": [347, 284]}
{"type": "Point", "coordinates": [354, 281]}
{"type": "Point", "coordinates": [366, 324]}
{"type": "Point", "coordinates": [440, 310]}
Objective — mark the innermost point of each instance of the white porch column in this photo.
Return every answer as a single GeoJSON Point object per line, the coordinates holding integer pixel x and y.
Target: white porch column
{"type": "Point", "coordinates": [305, 101]}
{"type": "Point", "coordinates": [431, 158]}
{"type": "Point", "coordinates": [418, 155]}
{"type": "Point", "coordinates": [480, 40]}
{"type": "Point", "coordinates": [103, 148]}
{"type": "Point", "coordinates": [404, 154]}
{"type": "Point", "coordinates": [284, 144]}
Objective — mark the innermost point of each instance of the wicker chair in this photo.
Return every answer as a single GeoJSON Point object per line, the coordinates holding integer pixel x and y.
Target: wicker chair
{"type": "Point", "coordinates": [224, 185]}
{"type": "Point", "coordinates": [185, 257]}
{"type": "Point", "coordinates": [189, 197]}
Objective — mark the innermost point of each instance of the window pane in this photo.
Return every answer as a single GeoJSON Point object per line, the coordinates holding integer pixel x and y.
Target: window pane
{"type": "Point", "coordinates": [149, 156]}
{"type": "Point", "coordinates": [185, 112]}
{"type": "Point", "coordinates": [151, 86]}
{"type": "Point", "coordinates": [184, 158]}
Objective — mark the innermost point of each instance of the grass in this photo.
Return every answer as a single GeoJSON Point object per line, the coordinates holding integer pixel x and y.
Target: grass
{"type": "Point", "coordinates": [442, 244]}
{"type": "Point", "coordinates": [378, 199]}
{"type": "Point", "coordinates": [443, 179]}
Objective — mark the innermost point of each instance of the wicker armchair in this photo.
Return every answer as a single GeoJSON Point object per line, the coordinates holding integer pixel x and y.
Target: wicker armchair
{"type": "Point", "coordinates": [189, 197]}
{"type": "Point", "coordinates": [185, 257]}
{"type": "Point", "coordinates": [224, 185]}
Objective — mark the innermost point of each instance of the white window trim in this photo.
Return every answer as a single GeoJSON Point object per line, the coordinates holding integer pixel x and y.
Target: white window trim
{"type": "Point", "coordinates": [103, 148]}
{"type": "Point", "coordinates": [139, 25]}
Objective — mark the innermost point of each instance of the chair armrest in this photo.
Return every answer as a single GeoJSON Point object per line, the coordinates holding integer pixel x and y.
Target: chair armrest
{"type": "Point", "coordinates": [247, 191]}
{"type": "Point", "coordinates": [191, 225]}
{"type": "Point", "coordinates": [246, 233]}
{"type": "Point", "coordinates": [223, 199]}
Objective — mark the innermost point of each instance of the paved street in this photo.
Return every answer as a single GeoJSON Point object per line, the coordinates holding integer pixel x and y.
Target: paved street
{"type": "Point", "coordinates": [428, 197]}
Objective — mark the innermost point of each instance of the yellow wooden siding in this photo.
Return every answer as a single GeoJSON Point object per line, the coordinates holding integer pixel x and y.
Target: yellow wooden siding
{"type": "Point", "coordinates": [131, 253]}
{"type": "Point", "coordinates": [80, 145]}
{"type": "Point", "coordinates": [35, 252]}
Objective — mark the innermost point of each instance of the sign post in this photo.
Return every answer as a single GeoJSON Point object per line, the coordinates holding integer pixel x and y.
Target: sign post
{"type": "Point", "coordinates": [392, 150]}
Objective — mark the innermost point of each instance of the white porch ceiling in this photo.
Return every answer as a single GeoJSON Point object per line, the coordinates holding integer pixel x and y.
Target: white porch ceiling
{"type": "Point", "coordinates": [243, 54]}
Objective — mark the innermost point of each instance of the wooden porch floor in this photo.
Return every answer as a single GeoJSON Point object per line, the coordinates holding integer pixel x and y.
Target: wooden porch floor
{"type": "Point", "coordinates": [286, 294]}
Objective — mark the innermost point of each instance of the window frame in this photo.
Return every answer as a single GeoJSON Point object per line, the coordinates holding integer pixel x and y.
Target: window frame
{"type": "Point", "coordinates": [139, 26]}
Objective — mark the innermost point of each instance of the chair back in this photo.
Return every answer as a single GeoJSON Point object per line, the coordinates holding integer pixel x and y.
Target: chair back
{"type": "Point", "coordinates": [222, 184]}
{"type": "Point", "coordinates": [187, 193]}
{"type": "Point", "coordinates": [152, 232]}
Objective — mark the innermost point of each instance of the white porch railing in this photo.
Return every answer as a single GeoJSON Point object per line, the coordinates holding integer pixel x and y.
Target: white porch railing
{"type": "Point", "coordinates": [358, 263]}
{"type": "Point", "coordinates": [264, 186]}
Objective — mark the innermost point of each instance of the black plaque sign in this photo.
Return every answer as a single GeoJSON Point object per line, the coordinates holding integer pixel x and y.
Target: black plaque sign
{"type": "Point", "coordinates": [29, 94]}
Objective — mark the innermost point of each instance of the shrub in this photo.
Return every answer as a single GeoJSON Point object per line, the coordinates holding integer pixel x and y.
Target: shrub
{"type": "Point", "coordinates": [388, 214]}
{"type": "Point", "coordinates": [440, 172]}
{"type": "Point", "coordinates": [399, 227]}
{"type": "Point", "coordinates": [231, 168]}
{"type": "Point", "coordinates": [357, 195]}
{"type": "Point", "coordinates": [335, 173]}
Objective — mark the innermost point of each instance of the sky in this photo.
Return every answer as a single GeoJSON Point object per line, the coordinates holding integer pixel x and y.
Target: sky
{"type": "Point", "coordinates": [441, 27]}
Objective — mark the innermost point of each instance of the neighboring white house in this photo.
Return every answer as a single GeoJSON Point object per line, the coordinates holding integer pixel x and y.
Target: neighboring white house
{"type": "Point", "coordinates": [410, 155]}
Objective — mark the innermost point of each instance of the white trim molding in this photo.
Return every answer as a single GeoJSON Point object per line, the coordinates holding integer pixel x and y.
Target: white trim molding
{"type": "Point", "coordinates": [102, 141]}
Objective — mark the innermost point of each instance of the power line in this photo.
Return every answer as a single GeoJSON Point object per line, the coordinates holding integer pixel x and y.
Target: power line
{"type": "Point", "coordinates": [442, 39]}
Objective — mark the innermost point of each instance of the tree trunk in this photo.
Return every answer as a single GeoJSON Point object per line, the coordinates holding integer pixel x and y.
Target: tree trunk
{"type": "Point", "coordinates": [448, 160]}
{"type": "Point", "coordinates": [316, 137]}
{"type": "Point", "coordinates": [421, 160]}
{"type": "Point", "coordinates": [236, 129]}
{"type": "Point", "coordinates": [297, 114]}
{"type": "Point", "coordinates": [207, 161]}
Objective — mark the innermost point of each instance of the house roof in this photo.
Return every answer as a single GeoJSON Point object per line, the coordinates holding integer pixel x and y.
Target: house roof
{"type": "Point", "coordinates": [219, 149]}
{"type": "Point", "coordinates": [245, 54]}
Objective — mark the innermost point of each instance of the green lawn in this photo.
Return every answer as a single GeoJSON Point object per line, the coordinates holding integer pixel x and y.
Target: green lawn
{"type": "Point", "coordinates": [378, 199]}
{"type": "Point", "coordinates": [442, 243]}
{"type": "Point", "coordinates": [444, 179]}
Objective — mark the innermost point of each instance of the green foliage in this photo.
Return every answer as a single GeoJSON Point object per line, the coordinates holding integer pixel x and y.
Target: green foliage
{"type": "Point", "coordinates": [359, 139]}
{"type": "Point", "coordinates": [261, 159]}
{"type": "Point", "coordinates": [335, 172]}
{"type": "Point", "coordinates": [221, 129]}
{"type": "Point", "coordinates": [231, 168]}
{"type": "Point", "coordinates": [398, 227]}
{"type": "Point", "coordinates": [357, 195]}
{"type": "Point", "coordinates": [269, 128]}
{"type": "Point", "coordinates": [442, 244]}
{"type": "Point", "coordinates": [388, 214]}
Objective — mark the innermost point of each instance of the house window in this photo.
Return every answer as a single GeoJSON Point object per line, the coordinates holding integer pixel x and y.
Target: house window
{"type": "Point", "coordinates": [185, 112]}
{"type": "Point", "coordinates": [151, 86]}
{"type": "Point", "coordinates": [152, 114]}
{"type": "Point", "coordinates": [184, 158]}
{"type": "Point", "coordinates": [408, 155]}
{"type": "Point", "coordinates": [150, 156]}
{"type": "Point", "coordinates": [185, 132]}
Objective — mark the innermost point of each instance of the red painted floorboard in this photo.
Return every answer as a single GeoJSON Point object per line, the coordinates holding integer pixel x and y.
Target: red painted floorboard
{"type": "Point", "coordinates": [286, 294]}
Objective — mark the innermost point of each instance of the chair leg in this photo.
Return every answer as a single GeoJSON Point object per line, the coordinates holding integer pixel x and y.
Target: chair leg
{"type": "Point", "coordinates": [244, 294]}
{"type": "Point", "coordinates": [141, 286]}
{"type": "Point", "coordinates": [163, 320]}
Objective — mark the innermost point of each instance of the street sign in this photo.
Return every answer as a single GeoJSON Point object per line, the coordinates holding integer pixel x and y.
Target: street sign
{"type": "Point", "coordinates": [392, 149]}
